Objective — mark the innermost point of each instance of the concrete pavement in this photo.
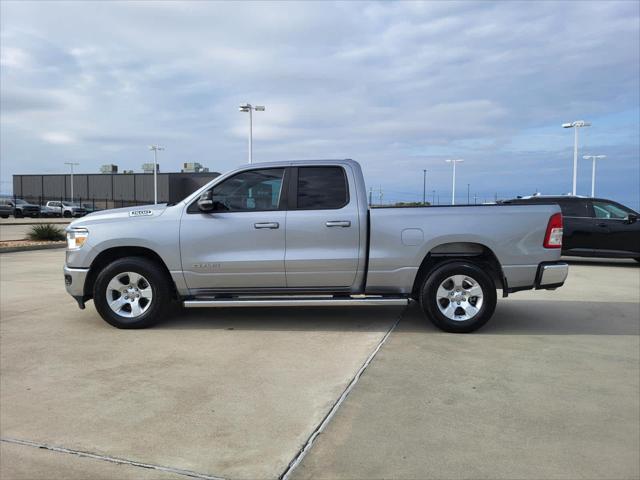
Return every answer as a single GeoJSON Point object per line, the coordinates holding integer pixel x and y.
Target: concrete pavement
{"type": "Point", "coordinates": [548, 389]}
{"type": "Point", "coordinates": [225, 393]}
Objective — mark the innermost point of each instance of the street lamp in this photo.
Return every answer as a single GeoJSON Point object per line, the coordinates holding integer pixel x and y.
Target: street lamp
{"type": "Point", "coordinates": [453, 190]}
{"type": "Point", "coordinates": [71, 164]}
{"type": "Point", "coordinates": [575, 125]}
{"type": "Point", "coordinates": [247, 107]}
{"type": "Point", "coordinates": [424, 187]}
{"type": "Point", "coordinates": [593, 170]}
{"type": "Point", "coordinates": [154, 149]}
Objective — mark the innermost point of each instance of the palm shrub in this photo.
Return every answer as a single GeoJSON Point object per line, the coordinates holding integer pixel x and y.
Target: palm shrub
{"type": "Point", "coordinates": [46, 231]}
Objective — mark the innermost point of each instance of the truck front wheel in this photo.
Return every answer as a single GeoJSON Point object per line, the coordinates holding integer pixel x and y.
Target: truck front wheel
{"type": "Point", "coordinates": [458, 297]}
{"type": "Point", "coordinates": [132, 293]}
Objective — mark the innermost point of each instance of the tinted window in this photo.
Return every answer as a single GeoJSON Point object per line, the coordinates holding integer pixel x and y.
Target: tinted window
{"type": "Point", "coordinates": [255, 190]}
{"type": "Point", "coordinates": [322, 188]}
{"type": "Point", "coordinates": [573, 208]}
{"type": "Point", "coordinates": [608, 210]}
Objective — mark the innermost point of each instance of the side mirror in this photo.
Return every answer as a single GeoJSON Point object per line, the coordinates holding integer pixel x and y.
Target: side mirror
{"type": "Point", "coordinates": [632, 218]}
{"type": "Point", "coordinates": [205, 202]}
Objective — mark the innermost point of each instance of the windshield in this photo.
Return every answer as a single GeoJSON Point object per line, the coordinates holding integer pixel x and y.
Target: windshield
{"type": "Point", "coordinates": [69, 204]}
{"type": "Point", "coordinates": [19, 201]}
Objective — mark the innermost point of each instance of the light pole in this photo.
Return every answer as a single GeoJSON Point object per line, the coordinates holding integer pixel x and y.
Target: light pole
{"type": "Point", "coordinates": [434, 197]}
{"type": "Point", "coordinates": [71, 164]}
{"type": "Point", "coordinates": [468, 190]}
{"type": "Point", "coordinates": [424, 187]}
{"type": "Point", "coordinates": [575, 125]}
{"type": "Point", "coordinates": [453, 190]}
{"type": "Point", "coordinates": [154, 149]}
{"type": "Point", "coordinates": [593, 170]}
{"type": "Point", "coordinates": [247, 107]}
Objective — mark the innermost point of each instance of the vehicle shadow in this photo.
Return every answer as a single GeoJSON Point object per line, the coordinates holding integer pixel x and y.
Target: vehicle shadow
{"type": "Point", "coordinates": [519, 317]}
{"type": "Point", "coordinates": [343, 319]}
{"type": "Point", "coordinates": [540, 317]}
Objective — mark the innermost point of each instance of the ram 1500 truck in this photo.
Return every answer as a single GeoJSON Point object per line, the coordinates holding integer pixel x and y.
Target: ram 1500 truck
{"type": "Point", "coordinates": [301, 233]}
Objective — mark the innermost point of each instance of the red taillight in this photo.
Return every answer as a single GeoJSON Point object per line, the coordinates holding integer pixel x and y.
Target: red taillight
{"type": "Point", "coordinates": [553, 237]}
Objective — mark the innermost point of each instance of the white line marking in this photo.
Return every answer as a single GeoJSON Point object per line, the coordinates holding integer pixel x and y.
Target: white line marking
{"type": "Point", "coordinates": [320, 428]}
{"type": "Point", "coordinates": [106, 458]}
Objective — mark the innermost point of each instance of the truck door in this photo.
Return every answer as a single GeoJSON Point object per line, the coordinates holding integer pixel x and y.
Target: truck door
{"type": "Point", "coordinates": [323, 229]}
{"type": "Point", "coordinates": [240, 245]}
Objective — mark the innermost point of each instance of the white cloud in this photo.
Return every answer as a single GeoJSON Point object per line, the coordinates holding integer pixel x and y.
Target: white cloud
{"type": "Point", "coordinates": [59, 138]}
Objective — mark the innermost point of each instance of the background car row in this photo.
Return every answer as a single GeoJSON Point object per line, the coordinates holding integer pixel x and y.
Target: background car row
{"type": "Point", "coordinates": [20, 208]}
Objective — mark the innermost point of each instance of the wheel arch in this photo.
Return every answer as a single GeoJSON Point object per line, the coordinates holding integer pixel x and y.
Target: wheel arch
{"type": "Point", "coordinates": [453, 251]}
{"type": "Point", "coordinates": [109, 255]}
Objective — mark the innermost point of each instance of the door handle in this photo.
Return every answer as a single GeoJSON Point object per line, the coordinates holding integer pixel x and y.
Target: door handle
{"type": "Point", "coordinates": [271, 225]}
{"type": "Point", "coordinates": [338, 223]}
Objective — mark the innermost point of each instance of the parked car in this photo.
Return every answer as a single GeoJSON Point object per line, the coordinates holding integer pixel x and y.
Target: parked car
{"type": "Point", "coordinates": [63, 209]}
{"type": "Point", "coordinates": [5, 208]}
{"type": "Point", "coordinates": [594, 227]}
{"type": "Point", "coordinates": [90, 208]}
{"type": "Point", "coordinates": [19, 208]}
{"type": "Point", "coordinates": [224, 246]}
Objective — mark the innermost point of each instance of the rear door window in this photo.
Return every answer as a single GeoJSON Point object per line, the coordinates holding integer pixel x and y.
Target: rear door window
{"type": "Point", "coordinates": [609, 210]}
{"type": "Point", "coordinates": [322, 188]}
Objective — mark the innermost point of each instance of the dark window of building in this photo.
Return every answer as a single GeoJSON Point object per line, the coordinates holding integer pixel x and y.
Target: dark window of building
{"type": "Point", "coordinates": [322, 188]}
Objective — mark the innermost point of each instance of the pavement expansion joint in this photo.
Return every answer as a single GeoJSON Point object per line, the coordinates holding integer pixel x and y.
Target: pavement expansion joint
{"type": "Point", "coordinates": [297, 459]}
{"type": "Point", "coordinates": [106, 458]}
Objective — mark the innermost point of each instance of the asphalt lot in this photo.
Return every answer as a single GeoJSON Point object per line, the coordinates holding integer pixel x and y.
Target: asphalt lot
{"type": "Point", "coordinates": [548, 389]}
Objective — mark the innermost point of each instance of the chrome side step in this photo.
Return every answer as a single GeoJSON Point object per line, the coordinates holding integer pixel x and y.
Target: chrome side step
{"type": "Point", "coordinates": [319, 301]}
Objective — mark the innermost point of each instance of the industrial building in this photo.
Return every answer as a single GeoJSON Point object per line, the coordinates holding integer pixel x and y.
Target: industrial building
{"type": "Point", "coordinates": [109, 190]}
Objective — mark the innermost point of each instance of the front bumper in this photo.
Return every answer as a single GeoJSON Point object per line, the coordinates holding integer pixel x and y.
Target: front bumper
{"type": "Point", "coordinates": [74, 279]}
{"type": "Point", "coordinates": [551, 275]}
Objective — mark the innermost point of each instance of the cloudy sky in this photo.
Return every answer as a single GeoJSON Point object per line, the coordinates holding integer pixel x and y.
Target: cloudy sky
{"type": "Point", "coordinates": [399, 87]}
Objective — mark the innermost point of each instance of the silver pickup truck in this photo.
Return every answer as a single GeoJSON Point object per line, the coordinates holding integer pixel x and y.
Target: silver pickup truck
{"type": "Point", "coordinates": [301, 233]}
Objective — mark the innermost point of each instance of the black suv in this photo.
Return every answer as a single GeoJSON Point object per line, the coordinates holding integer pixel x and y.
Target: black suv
{"type": "Point", "coordinates": [594, 227]}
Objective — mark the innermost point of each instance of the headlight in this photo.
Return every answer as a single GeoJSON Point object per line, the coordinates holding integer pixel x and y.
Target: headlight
{"type": "Point", "coordinates": [76, 238]}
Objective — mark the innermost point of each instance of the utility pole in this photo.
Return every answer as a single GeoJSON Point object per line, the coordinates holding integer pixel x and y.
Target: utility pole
{"type": "Point", "coordinates": [575, 125]}
{"type": "Point", "coordinates": [71, 164]}
{"type": "Point", "coordinates": [424, 187]}
{"type": "Point", "coordinates": [247, 107]}
{"type": "Point", "coordinates": [433, 200]}
{"type": "Point", "coordinates": [593, 171]}
{"type": "Point", "coordinates": [370, 196]}
{"type": "Point", "coordinates": [475, 198]}
{"type": "Point", "coordinates": [468, 187]}
{"type": "Point", "coordinates": [154, 149]}
{"type": "Point", "coordinates": [453, 189]}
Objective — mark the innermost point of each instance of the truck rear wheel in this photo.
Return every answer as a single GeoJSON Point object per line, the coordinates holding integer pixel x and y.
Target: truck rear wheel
{"type": "Point", "coordinates": [132, 293]}
{"type": "Point", "coordinates": [458, 297]}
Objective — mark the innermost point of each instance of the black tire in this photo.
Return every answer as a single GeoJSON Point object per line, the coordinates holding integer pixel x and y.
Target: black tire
{"type": "Point", "coordinates": [637, 259]}
{"type": "Point", "coordinates": [5, 216]}
{"type": "Point", "coordinates": [430, 304]}
{"type": "Point", "coordinates": [18, 214]}
{"type": "Point", "coordinates": [158, 282]}
{"type": "Point", "coordinates": [67, 214]}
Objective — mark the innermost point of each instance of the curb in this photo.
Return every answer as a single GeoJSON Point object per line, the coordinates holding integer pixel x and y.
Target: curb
{"type": "Point", "coordinates": [27, 248]}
